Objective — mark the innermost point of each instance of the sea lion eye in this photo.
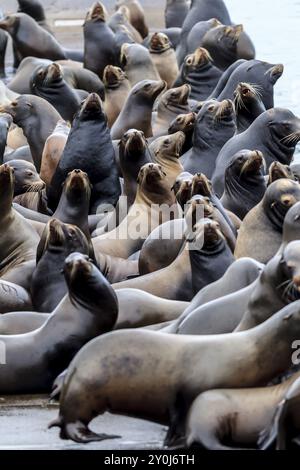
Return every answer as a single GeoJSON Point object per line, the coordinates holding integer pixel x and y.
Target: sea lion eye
{"type": "Point", "coordinates": [147, 86]}
{"type": "Point", "coordinates": [189, 61]}
{"type": "Point", "coordinates": [29, 173]}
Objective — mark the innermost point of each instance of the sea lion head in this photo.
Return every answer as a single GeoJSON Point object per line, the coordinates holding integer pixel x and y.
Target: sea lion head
{"type": "Point", "coordinates": [201, 185]}
{"type": "Point", "coordinates": [182, 188]}
{"type": "Point", "coordinates": [87, 285]}
{"type": "Point", "coordinates": [96, 13]}
{"type": "Point", "coordinates": [32, 8]}
{"type": "Point", "coordinates": [133, 143]}
{"type": "Point", "coordinates": [247, 164]}
{"type": "Point", "coordinates": [60, 237]}
{"type": "Point", "coordinates": [207, 236]}
{"type": "Point", "coordinates": [46, 76]}
{"type": "Point", "coordinates": [229, 35]}
{"type": "Point", "coordinates": [77, 186]}
{"type": "Point", "coordinates": [91, 108]}
{"type": "Point", "coordinates": [245, 94]}
{"type": "Point", "coordinates": [133, 54]}
{"type": "Point", "coordinates": [200, 58]}
{"type": "Point", "coordinates": [170, 145]}
{"type": "Point", "coordinates": [289, 272]}
{"type": "Point", "coordinates": [176, 96]}
{"type": "Point", "coordinates": [113, 76]}
{"type": "Point", "coordinates": [21, 108]}
{"type": "Point", "coordinates": [159, 42]}
{"type": "Point", "coordinates": [11, 23]}
{"type": "Point", "coordinates": [6, 185]}
{"type": "Point", "coordinates": [278, 170]}
{"type": "Point", "coordinates": [283, 126]}
{"type": "Point", "coordinates": [280, 196]}
{"type": "Point", "coordinates": [148, 89]}
{"type": "Point", "coordinates": [26, 177]}
{"type": "Point", "coordinates": [184, 123]}
{"type": "Point", "coordinates": [153, 184]}
{"type": "Point", "coordinates": [198, 207]}
{"type": "Point", "coordinates": [211, 118]}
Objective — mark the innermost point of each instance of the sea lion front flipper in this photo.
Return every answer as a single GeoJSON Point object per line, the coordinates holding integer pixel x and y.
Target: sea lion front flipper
{"type": "Point", "coordinates": [79, 432]}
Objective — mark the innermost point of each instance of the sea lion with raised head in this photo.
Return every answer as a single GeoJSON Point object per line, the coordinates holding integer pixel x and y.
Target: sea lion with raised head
{"type": "Point", "coordinates": [245, 183]}
{"type": "Point", "coordinates": [166, 152]}
{"type": "Point", "coordinates": [136, 61]}
{"type": "Point", "coordinates": [137, 110]}
{"type": "Point", "coordinates": [200, 73]}
{"type": "Point", "coordinates": [215, 125]}
{"type": "Point", "coordinates": [117, 88]}
{"type": "Point", "coordinates": [163, 57]}
{"type": "Point", "coordinates": [136, 15]}
{"type": "Point", "coordinates": [277, 171]}
{"type": "Point", "coordinates": [171, 103]}
{"type": "Point", "coordinates": [186, 124]}
{"type": "Point", "coordinates": [275, 133]}
{"type": "Point", "coordinates": [37, 118]}
{"type": "Point", "coordinates": [99, 41]}
{"type": "Point", "coordinates": [89, 148]}
{"type": "Point", "coordinates": [248, 105]}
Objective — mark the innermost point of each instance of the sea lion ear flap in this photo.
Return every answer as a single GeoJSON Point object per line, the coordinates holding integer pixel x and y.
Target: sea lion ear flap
{"type": "Point", "coordinates": [275, 73]}
{"type": "Point", "coordinates": [239, 28]}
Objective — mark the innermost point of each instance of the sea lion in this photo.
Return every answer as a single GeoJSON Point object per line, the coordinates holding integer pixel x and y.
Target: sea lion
{"type": "Point", "coordinates": [18, 240]}
{"type": "Point", "coordinates": [197, 33]}
{"type": "Point", "coordinates": [13, 297]}
{"type": "Point", "coordinates": [117, 88]}
{"type": "Point", "coordinates": [182, 278]}
{"type": "Point", "coordinates": [171, 103]}
{"type": "Point", "coordinates": [285, 424]}
{"type": "Point", "coordinates": [137, 110]}
{"type": "Point", "coordinates": [277, 286]}
{"type": "Point", "coordinates": [183, 188]}
{"type": "Point", "coordinates": [30, 39]}
{"type": "Point", "coordinates": [166, 152]}
{"type": "Point", "coordinates": [36, 10]}
{"type": "Point", "coordinates": [260, 233]}
{"type": "Point", "coordinates": [222, 42]}
{"type": "Point", "coordinates": [201, 10]}
{"type": "Point", "coordinates": [175, 13]}
{"type": "Point", "coordinates": [215, 125]}
{"type": "Point", "coordinates": [136, 15]}
{"type": "Point", "coordinates": [260, 74]}
{"type": "Point", "coordinates": [277, 126]}
{"type": "Point", "coordinates": [58, 241]}
{"type": "Point", "coordinates": [232, 418]}
{"type": "Point", "coordinates": [26, 177]}
{"type": "Point", "coordinates": [53, 150]}
{"type": "Point", "coordinates": [119, 22]}
{"type": "Point", "coordinates": [74, 203]}
{"type": "Point", "coordinates": [163, 57]}
{"type": "Point", "coordinates": [195, 364]}
{"type": "Point", "coordinates": [37, 118]}
{"type": "Point", "coordinates": [89, 148]}
{"type": "Point", "coordinates": [48, 83]}
{"type": "Point", "coordinates": [137, 63]}
{"type": "Point", "coordinates": [99, 41]}
{"type": "Point", "coordinates": [200, 73]}
{"type": "Point", "coordinates": [5, 123]}
{"type": "Point", "coordinates": [248, 105]}
{"type": "Point", "coordinates": [277, 170]}
{"type": "Point", "coordinates": [154, 204]}
{"type": "Point", "coordinates": [77, 319]}
{"type": "Point", "coordinates": [245, 183]}
{"type": "Point", "coordinates": [186, 124]}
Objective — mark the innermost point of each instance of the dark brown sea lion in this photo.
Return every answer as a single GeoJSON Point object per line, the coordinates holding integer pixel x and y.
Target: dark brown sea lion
{"type": "Point", "coordinates": [18, 240]}
{"type": "Point", "coordinates": [48, 83]}
{"type": "Point", "coordinates": [37, 118]}
{"type": "Point", "coordinates": [200, 73]}
{"type": "Point", "coordinates": [137, 110]}
{"type": "Point", "coordinates": [99, 41]}
{"type": "Point", "coordinates": [30, 39]}
{"type": "Point", "coordinates": [163, 57]}
{"type": "Point", "coordinates": [261, 231]}
{"type": "Point", "coordinates": [171, 103]}
{"type": "Point", "coordinates": [245, 183]}
{"type": "Point", "coordinates": [194, 364]}
{"type": "Point", "coordinates": [232, 418]}
{"type": "Point", "coordinates": [35, 9]}
{"type": "Point", "coordinates": [77, 319]}
{"type": "Point", "coordinates": [278, 126]}
{"type": "Point", "coordinates": [136, 61]}
{"type": "Point", "coordinates": [154, 204]}
{"type": "Point", "coordinates": [137, 15]}
{"type": "Point", "coordinates": [89, 148]}
{"type": "Point", "coordinates": [48, 285]}
{"type": "Point", "coordinates": [117, 88]}
{"type": "Point", "coordinates": [248, 105]}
